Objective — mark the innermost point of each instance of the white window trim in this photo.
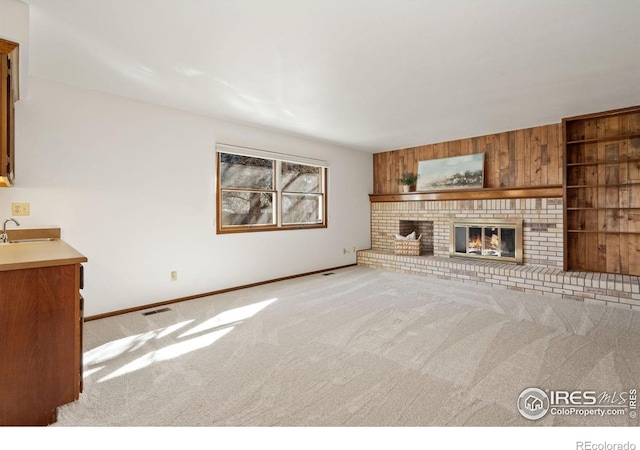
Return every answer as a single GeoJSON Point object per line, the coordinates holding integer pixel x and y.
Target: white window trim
{"type": "Point", "coordinates": [256, 153]}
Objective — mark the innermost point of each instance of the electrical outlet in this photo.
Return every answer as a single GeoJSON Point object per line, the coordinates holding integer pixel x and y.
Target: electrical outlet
{"type": "Point", "coordinates": [174, 275]}
{"type": "Point", "coordinates": [20, 209]}
{"type": "Point", "coordinates": [354, 249]}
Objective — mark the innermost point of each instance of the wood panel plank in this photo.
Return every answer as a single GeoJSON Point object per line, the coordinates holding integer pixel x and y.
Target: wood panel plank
{"type": "Point", "coordinates": [613, 253]}
{"type": "Point", "coordinates": [600, 265]}
{"type": "Point", "coordinates": [544, 155]}
{"type": "Point", "coordinates": [590, 252]}
{"type": "Point", "coordinates": [536, 157]}
{"type": "Point", "coordinates": [520, 162]}
{"type": "Point", "coordinates": [556, 163]}
{"type": "Point", "coordinates": [634, 254]}
{"type": "Point", "coordinates": [527, 157]}
{"type": "Point", "coordinates": [573, 251]}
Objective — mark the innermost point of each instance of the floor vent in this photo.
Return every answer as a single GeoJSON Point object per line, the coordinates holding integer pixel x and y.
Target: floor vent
{"type": "Point", "coordinates": [327, 274]}
{"type": "Point", "coordinates": [156, 311]}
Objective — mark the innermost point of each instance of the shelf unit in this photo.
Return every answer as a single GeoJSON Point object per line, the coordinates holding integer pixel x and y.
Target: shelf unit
{"type": "Point", "coordinates": [602, 192]}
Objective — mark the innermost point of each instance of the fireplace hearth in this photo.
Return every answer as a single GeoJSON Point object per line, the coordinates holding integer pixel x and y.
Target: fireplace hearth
{"type": "Point", "coordinates": [494, 239]}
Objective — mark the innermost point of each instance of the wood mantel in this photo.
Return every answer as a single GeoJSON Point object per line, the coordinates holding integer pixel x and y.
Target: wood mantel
{"type": "Point", "coordinates": [553, 191]}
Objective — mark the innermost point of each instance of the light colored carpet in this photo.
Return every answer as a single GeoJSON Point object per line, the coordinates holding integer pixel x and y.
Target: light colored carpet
{"type": "Point", "coordinates": [361, 347]}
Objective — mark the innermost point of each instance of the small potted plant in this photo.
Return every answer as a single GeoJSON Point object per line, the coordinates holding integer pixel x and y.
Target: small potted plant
{"type": "Point", "coordinates": [407, 179]}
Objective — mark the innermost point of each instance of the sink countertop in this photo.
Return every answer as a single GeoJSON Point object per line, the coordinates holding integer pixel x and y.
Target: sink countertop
{"type": "Point", "coordinates": [29, 255]}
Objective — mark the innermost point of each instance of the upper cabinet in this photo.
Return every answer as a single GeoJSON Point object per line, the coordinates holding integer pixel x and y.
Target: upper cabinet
{"type": "Point", "coordinates": [9, 94]}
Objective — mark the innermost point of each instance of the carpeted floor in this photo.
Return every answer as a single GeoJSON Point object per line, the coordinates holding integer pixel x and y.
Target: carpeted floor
{"type": "Point", "coordinates": [360, 347]}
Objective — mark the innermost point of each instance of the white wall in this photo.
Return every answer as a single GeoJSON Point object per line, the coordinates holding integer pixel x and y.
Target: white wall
{"type": "Point", "coordinates": [131, 185]}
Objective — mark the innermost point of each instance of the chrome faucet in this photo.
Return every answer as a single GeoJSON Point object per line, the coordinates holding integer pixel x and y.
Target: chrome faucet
{"type": "Point", "coordinates": [3, 236]}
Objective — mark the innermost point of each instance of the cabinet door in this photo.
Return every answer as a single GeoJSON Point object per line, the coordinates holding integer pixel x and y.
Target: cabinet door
{"type": "Point", "coordinates": [8, 96]}
{"type": "Point", "coordinates": [39, 335]}
{"type": "Point", "coordinates": [81, 348]}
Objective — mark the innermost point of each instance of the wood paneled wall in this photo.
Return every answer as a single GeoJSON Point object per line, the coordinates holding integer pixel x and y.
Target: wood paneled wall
{"type": "Point", "coordinates": [529, 157]}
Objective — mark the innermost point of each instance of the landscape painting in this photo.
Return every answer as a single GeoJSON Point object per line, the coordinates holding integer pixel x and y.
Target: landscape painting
{"type": "Point", "coordinates": [457, 172]}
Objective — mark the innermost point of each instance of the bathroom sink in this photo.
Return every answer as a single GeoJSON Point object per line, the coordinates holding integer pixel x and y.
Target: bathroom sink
{"type": "Point", "coordinates": [25, 241]}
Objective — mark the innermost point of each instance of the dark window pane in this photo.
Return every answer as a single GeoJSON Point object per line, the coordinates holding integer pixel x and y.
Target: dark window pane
{"type": "Point", "coordinates": [461, 240]}
{"type": "Point", "coordinates": [298, 208]}
{"type": "Point", "coordinates": [247, 208]}
{"type": "Point", "coordinates": [508, 242]}
{"type": "Point", "coordinates": [301, 178]}
{"type": "Point", "coordinates": [238, 171]}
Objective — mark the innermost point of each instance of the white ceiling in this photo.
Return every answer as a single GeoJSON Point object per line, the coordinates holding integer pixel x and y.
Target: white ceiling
{"type": "Point", "coordinates": [372, 75]}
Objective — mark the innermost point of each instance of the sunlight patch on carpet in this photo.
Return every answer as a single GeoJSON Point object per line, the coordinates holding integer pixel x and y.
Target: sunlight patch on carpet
{"type": "Point", "coordinates": [113, 349]}
{"type": "Point", "coordinates": [167, 353]}
{"type": "Point", "coordinates": [228, 317]}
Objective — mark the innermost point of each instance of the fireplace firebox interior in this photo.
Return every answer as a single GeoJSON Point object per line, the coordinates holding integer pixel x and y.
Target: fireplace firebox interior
{"type": "Point", "coordinates": [422, 228]}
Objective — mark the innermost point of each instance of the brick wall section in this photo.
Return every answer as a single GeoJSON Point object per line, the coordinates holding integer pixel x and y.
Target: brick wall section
{"type": "Point", "coordinates": [541, 232]}
{"type": "Point", "coordinates": [598, 288]}
{"type": "Point", "coordinates": [540, 273]}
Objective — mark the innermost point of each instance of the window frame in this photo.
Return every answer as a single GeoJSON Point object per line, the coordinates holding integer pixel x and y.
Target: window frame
{"type": "Point", "coordinates": [277, 191]}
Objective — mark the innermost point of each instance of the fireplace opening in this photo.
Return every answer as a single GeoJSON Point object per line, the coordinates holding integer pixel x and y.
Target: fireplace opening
{"type": "Point", "coordinates": [495, 239]}
{"type": "Point", "coordinates": [422, 228]}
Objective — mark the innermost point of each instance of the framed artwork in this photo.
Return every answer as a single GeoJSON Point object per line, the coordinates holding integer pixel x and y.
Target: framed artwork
{"type": "Point", "coordinates": [457, 172]}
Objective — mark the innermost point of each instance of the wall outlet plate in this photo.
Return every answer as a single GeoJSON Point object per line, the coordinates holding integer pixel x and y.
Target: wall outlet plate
{"type": "Point", "coordinates": [20, 209]}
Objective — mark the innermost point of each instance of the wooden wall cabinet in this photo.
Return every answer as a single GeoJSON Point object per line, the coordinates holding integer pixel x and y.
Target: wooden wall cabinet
{"type": "Point", "coordinates": [40, 343]}
{"type": "Point", "coordinates": [9, 94]}
{"type": "Point", "coordinates": [602, 192]}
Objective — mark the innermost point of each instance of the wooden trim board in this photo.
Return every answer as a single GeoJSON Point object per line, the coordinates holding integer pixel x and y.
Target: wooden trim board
{"type": "Point", "coordinates": [207, 294]}
{"type": "Point", "coordinates": [554, 191]}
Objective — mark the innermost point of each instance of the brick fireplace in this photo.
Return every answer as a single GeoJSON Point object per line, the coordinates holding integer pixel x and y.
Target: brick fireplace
{"type": "Point", "coordinates": [541, 220]}
{"type": "Point", "coordinates": [528, 173]}
{"type": "Point", "coordinates": [541, 268]}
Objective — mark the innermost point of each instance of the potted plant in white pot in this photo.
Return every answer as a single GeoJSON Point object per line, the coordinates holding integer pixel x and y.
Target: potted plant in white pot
{"type": "Point", "coordinates": [407, 180]}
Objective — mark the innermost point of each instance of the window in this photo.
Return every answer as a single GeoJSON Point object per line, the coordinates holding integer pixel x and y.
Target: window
{"type": "Point", "coordinates": [263, 191]}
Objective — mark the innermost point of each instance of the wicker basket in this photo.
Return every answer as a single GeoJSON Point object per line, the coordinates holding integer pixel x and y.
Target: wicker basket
{"type": "Point", "coordinates": [408, 248]}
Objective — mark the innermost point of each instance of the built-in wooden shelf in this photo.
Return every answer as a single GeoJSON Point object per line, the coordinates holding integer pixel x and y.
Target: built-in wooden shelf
{"type": "Point", "coordinates": [601, 226]}
{"type": "Point", "coordinates": [554, 191]}
{"type": "Point", "coordinates": [602, 232]}
{"type": "Point", "coordinates": [604, 162]}
{"type": "Point", "coordinates": [613, 185]}
{"type": "Point", "coordinates": [605, 139]}
{"type": "Point", "coordinates": [596, 208]}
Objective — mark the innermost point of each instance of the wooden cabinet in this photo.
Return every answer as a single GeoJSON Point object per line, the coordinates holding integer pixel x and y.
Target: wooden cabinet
{"type": "Point", "coordinates": [9, 94]}
{"type": "Point", "coordinates": [602, 192]}
{"type": "Point", "coordinates": [40, 342]}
